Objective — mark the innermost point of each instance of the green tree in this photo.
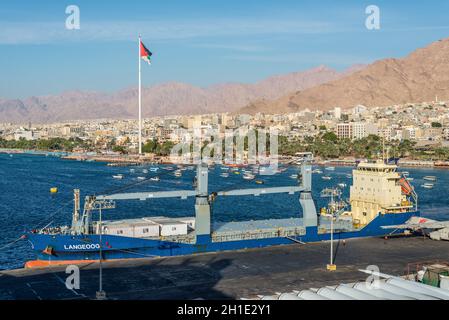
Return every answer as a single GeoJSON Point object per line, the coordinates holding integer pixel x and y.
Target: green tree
{"type": "Point", "coordinates": [120, 149]}
{"type": "Point", "coordinates": [150, 146]}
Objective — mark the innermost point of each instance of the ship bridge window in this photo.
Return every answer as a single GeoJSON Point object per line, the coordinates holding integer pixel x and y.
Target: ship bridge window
{"type": "Point", "coordinates": [119, 231]}
{"type": "Point", "coordinates": [145, 230]}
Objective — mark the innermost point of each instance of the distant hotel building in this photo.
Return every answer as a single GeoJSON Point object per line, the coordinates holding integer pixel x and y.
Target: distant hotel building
{"type": "Point", "coordinates": [356, 130]}
{"type": "Point", "coordinates": [344, 130]}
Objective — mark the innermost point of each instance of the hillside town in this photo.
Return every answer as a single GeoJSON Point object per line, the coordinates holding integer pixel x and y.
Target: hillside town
{"type": "Point", "coordinates": [426, 125]}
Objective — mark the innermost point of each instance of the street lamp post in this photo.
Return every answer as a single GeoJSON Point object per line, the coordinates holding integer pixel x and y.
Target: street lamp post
{"type": "Point", "coordinates": [331, 266]}
{"type": "Point", "coordinates": [101, 295]}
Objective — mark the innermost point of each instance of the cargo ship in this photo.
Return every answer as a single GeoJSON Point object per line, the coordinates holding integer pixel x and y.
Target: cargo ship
{"type": "Point", "coordinates": [379, 196]}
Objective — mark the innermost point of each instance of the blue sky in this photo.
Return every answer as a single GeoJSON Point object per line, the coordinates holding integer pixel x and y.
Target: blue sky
{"type": "Point", "coordinates": [199, 42]}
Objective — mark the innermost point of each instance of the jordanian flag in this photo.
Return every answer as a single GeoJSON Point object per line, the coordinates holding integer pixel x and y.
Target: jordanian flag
{"type": "Point", "coordinates": [145, 54]}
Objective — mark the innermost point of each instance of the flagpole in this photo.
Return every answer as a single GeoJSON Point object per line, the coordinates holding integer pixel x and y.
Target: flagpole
{"type": "Point", "coordinates": [140, 104]}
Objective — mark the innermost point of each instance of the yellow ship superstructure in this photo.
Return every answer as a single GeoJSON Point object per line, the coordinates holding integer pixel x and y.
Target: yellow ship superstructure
{"type": "Point", "coordinates": [378, 189]}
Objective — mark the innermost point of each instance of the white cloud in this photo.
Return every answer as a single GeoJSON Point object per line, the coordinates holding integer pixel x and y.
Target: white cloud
{"type": "Point", "coordinates": [232, 47]}
{"type": "Point", "coordinates": [49, 32]}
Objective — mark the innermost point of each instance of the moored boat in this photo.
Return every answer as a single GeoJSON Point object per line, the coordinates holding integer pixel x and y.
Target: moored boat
{"type": "Point", "coordinates": [427, 185]}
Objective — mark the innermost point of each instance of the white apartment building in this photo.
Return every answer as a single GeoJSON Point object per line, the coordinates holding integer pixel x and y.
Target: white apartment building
{"type": "Point", "coordinates": [385, 133]}
{"type": "Point", "coordinates": [409, 133]}
{"type": "Point", "coordinates": [24, 134]}
{"type": "Point", "coordinates": [337, 113]}
{"type": "Point", "coordinates": [356, 130]}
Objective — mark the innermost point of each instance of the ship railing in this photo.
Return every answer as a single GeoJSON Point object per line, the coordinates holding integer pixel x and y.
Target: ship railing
{"type": "Point", "coordinates": [256, 234]}
{"type": "Point", "coordinates": [188, 238]}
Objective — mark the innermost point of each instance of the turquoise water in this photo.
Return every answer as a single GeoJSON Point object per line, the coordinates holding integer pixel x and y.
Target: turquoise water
{"type": "Point", "coordinates": [26, 203]}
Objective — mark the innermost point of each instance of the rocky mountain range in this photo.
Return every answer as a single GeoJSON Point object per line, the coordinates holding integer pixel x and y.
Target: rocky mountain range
{"type": "Point", "coordinates": [418, 77]}
{"type": "Point", "coordinates": [173, 98]}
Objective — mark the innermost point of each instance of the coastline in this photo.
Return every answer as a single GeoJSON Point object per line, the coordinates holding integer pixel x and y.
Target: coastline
{"type": "Point", "coordinates": [134, 159]}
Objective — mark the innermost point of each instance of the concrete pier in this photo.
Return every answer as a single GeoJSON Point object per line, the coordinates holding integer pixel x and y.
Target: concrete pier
{"type": "Point", "coordinates": [227, 275]}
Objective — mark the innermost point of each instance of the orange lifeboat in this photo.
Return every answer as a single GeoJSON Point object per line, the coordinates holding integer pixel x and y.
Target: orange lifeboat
{"type": "Point", "coordinates": [405, 186]}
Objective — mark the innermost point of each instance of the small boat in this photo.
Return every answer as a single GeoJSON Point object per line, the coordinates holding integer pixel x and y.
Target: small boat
{"type": "Point", "coordinates": [154, 169]}
{"type": "Point", "coordinates": [141, 178]}
{"type": "Point", "coordinates": [169, 168]}
{"type": "Point", "coordinates": [224, 175]}
{"type": "Point", "coordinates": [342, 185]}
{"type": "Point", "coordinates": [118, 176]}
{"type": "Point", "coordinates": [155, 179]}
{"type": "Point", "coordinates": [259, 182]}
{"type": "Point", "coordinates": [349, 176]}
{"type": "Point", "coordinates": [248, 176]}
{"type": "Point", "coordinates": [427, 185]}
{"type": "Point", "coordinates": [294, 176]}
{"type": "Point", "coordinates": [178, 173]}
{"type": "Point", "coordinates": [145, 171]}
{"type": "Point", "coordinates": [405, 173]}
{"type": "Point", "coordinates": [430, 178]}
{"type": "Point", "coordinates": [326, 177]}
{"type": "Point", "coordinates": [224, 168]}
{"type": "Point", "coordinates": [329, 168]}
{"type": "Point", "coordinates": [235, 165]}
{"type": "Point", "coordinates": [132, 170]}
{"type": "Point", "coordinates": [236, 172]}
{"type": "Point", "coordinates": [409, 178]}
{"type": "Point", "coordinates": [317, 171]}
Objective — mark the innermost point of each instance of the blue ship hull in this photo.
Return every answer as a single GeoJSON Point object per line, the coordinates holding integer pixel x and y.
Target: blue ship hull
{"type": "Point", "coordinates": [66, 248]}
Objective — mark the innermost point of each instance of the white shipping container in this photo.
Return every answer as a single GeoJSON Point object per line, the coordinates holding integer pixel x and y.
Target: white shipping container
{"type": "Point", "coordinates": [190, 221]}
{"type": "Point", "coordinates": [147, 230]}
{"type": "Point", "coordinates": [172, 228]}
{"type": "Point", "coordinates": [119, 230]}
{"type": "Point", "coordinates": [134, 230]}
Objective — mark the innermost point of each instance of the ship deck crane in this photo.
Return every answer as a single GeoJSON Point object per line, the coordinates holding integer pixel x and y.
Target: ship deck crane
{"type": "Point", "coordinates": [204, 200]}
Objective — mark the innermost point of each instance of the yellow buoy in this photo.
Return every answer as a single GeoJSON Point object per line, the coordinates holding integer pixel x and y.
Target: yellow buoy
{"type": "Point", "coordinates": [53, 190]}
{"type": "Point", "coordinates": [331, 267]}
